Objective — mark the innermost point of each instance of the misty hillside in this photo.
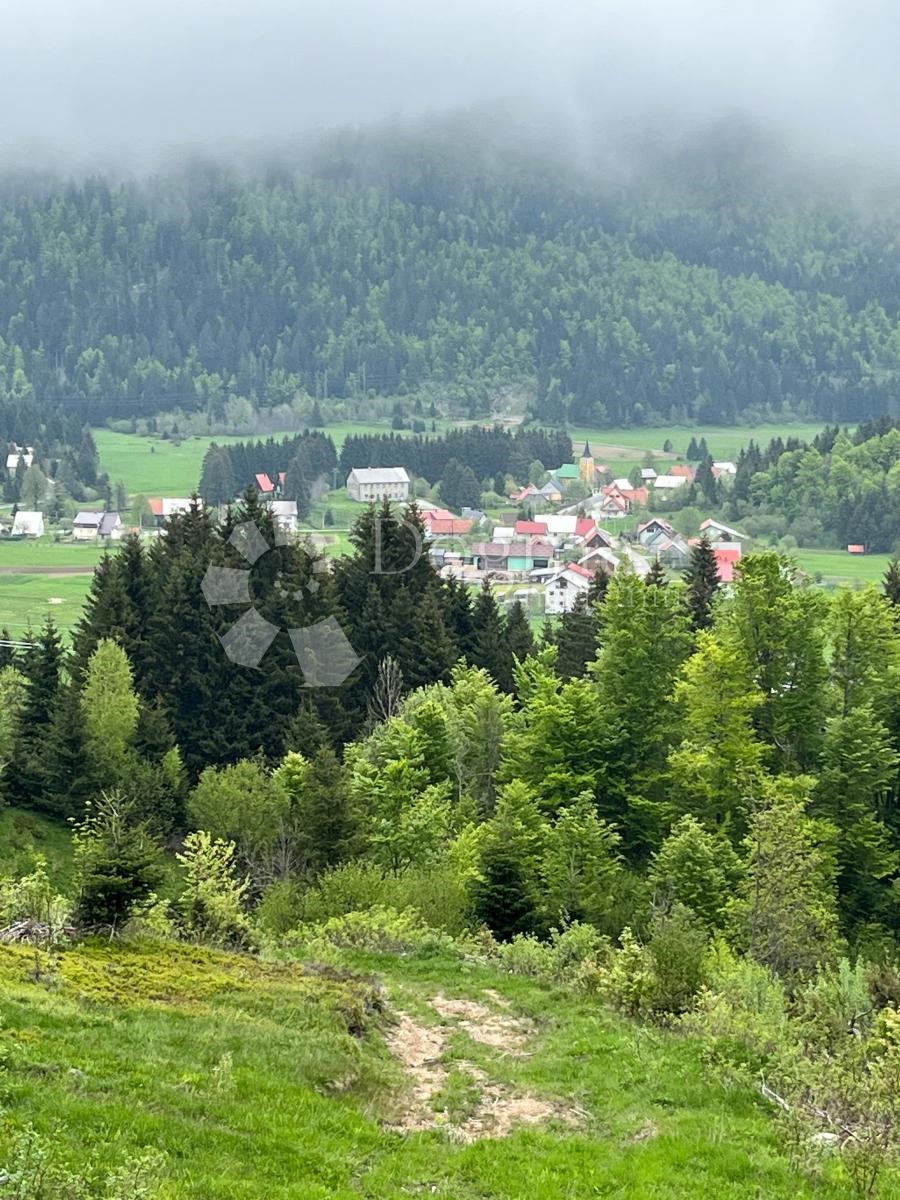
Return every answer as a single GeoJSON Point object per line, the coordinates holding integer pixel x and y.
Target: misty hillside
{"type": "Point", "coordinates": [389, 265]}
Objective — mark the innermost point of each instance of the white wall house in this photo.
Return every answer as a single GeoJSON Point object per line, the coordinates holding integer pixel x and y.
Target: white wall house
{"type": "Point", "coordinates": [563, 589]}
{"type": "Point", "coordinates": [378, 483]}
{"type": "Point", "coordinates": [25, 453]}
{"type": "Point", "coordinates": [91, 524]}
{"type": "Point", "coordinates": [285, 515]}
{"type": "Point", "coordinates": [28, 524]}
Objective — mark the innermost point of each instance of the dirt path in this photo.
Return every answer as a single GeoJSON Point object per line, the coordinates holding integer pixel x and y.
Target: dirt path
{"type": "Point", "coordinates": [493, 1109]}
{"type": "Point", "coordinates": [50, 572]}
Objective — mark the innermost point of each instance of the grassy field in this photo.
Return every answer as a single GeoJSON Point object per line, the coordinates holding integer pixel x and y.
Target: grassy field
{"type": "Point", "coordinates": [152, 467]}
{"type": "Point", "coordinates": [27, 599]}
{"type": "Point", "coordinates": [46, 553]}
{"type": "Point", "coordinates": [264, 1080]}
{"type": "Point", "coordinates": [630, 444]}
{"type": "Point", "coordinates": [837, 566]}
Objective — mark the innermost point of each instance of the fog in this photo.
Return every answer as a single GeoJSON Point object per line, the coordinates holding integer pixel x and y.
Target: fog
{"type": "Point", "coordinates": [92, 82]}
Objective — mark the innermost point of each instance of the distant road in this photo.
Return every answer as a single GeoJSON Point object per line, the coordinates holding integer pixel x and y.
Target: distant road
{"type": "Point", "coordinates": [51, 571]}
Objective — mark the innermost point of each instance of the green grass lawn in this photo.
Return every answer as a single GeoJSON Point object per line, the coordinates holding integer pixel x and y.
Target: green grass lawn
{"type": "Point", "coordinates": [45, 552]}
{"type": "Point", "coordinates": [837, 566]}
{"type": "Point", "coordinates": [27, 599]}
{"type": "Point", "coordinates": [723, 443]}
{"type": "Point", "coordinates": [151, 466]}
{"type": "Point", "coordinates": [264, 1080]}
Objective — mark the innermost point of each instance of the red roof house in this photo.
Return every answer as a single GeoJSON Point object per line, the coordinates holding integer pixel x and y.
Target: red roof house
{"type": "Point", "coordinates": [531, 528]}
{"type": "Point", "coordinates": [264, 483]}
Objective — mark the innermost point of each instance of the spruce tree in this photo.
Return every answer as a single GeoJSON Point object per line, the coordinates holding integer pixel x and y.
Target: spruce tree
{"type": "Point", "coordinates": [42, 665]}
{"type": "Point", "coordinates": [656, 576]}
{"type": "Point", "coordinates": [693, 453]}
{"type": "Point", "coordinates": [702, 584]}
{"type": "Point", "coordinates": [490, 648]}
{"type": "Point", "coordinates": [577, 638]}
{"type": "Point", "coordinates": [502, 898]}
{"type": "Point", "coordinates": [891, 584]}
{"type": "Point", "coordinates": [519, 637]}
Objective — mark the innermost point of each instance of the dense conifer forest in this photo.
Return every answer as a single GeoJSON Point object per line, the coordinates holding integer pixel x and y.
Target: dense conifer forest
{"type": "Point", "coordinates": [391, 264]}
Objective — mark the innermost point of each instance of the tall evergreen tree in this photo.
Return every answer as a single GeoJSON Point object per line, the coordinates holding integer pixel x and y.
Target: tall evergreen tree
{"type": "Point", "coordinates": [702, 584]}
{"type": "Point", "coordinates": [490, 648]}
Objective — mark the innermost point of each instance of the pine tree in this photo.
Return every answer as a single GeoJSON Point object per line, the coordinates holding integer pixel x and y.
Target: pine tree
{"type": "Point", "coordinates": [693, 453]}
{"type": "Point", "coordinates": [490, 648]}
{"type": "Point", "coordinates": [519, 637]}
{"type": "Point", "coordinates": [656, 576]}
{"type": "Point", "coordinates": [577, 638]}
{"type": "Point", "coordinates": [702, 584]}
{"type": "Point", "coordinates": [42, 665]}
{"type": "Point", "coordinates": [891, 585]}
{"type": "Point", "coordinates": [502, 898]}
{"type": "Point", "coordinates": [68, 781]}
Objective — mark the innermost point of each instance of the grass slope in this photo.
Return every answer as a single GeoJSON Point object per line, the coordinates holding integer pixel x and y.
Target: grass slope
{"type": "Point", "coordinates": [263, 1080]}
{"type": "Point", "coordinates": [24, 834]}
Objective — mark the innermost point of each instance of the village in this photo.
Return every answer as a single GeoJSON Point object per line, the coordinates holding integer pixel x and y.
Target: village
{"type": "Point", "coordinates": [557, 547]}
{"type": "Point", "coordinates": [542, 549]}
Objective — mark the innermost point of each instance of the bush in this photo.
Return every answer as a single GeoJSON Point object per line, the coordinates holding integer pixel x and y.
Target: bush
{"type": "Point", "coordinates": [677, 948]}
{"type": "Point", "coordinates": [32, 1168]}
{"type": "Point", "coordinates": [742, 1007]}
{"type": "Point", "coordinates": [30, 908]}
{"type": "Point", "coordinates": [573, 956]}
{"type": "Point", "coordinates": [212, 903]}
{"type": "Point", "coordinates": [379, 930]}
{"type": "Point", "coordinates": [662, 977]}
{"type": "Point", "coordinates": [837, 1002]}
{"type": "Point", "coordinates": [437, 894]}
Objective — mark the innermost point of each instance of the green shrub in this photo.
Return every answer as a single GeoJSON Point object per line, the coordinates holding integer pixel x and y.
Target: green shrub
{"type": "Point", "coordinates": [212, 903]}
{"type": "Point", "coordinates": [438, 894]}
{"type": "Point", "coordinates": [33, 906]}
{"type": "Point", "coordinates": [837, 1002]}
{"type": "Point", "coordinates": [32, 1168]}
{"type": "Point", "coordinates": [379, 931]}
{"type": "Point", "coordinates": [662, 977]}
{"type": "Point", "coordinates": [677, 949]}
{"type": "Point", "coordinates": [742, 1007]}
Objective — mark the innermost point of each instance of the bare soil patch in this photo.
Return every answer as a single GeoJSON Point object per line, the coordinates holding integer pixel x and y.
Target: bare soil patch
{"type": "Point", "coordinates": [421, 1049]}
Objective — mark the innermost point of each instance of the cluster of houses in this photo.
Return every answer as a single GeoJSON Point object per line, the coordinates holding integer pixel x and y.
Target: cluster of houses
{"type": "Point", "coordinates": [655, 540]}
{"type": "Point", "coordinates": [559, 554]}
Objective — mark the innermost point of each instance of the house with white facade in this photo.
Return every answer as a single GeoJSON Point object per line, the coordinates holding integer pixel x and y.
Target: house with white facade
{"type": "Point", "coordinates": [91, 524]}
{"type": "Point", "coordinates": [563, 589]}
{"type": "Point", "coordinates": [28, 524]}
{"type": "Point", "coordinates": [284, 513]}
{"type": "Point", "coordinates": [367, 484]}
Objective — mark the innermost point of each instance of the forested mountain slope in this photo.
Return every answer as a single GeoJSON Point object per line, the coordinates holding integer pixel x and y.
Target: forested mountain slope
{"type": "Point", "coordinates": [710, 289]}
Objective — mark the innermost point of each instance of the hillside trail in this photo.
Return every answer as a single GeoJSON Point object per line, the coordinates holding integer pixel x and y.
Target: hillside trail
{"type": "Point", "coordinates": [485, 1108]}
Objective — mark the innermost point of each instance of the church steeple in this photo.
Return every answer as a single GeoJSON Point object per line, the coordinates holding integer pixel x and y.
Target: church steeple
{"type": "Point", "coordinates": [586, 467]}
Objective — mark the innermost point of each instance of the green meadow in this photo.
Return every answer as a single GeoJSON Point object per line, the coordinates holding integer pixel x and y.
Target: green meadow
{"type": "Point", "coordinates": [25, 601]}
{"type": "Point", "coordinates": [260, 1079]}
{"type": "Point", "coordinates": [156, 467]}
{"type": "Point", "coordinates": [832, 567]}
{"type": "Point", "coordinates": [623, 444]}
